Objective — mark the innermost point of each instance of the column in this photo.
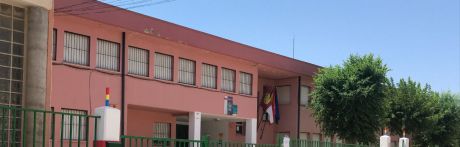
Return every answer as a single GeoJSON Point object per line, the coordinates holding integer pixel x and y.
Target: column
{"type": "Point", "coordinates": [251, 130]}
{"type": "Point", "coordinates": [36, 63]}
{"type": "Point", "coordinates": [194, 126]}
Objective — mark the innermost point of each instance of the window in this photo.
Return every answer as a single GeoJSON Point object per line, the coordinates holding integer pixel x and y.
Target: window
{"type": "Point", "coordinates": [163, 66]}
{"type": "Point", "coordinates": [138, 61]}
{"type": "Point", "coordinates": [304, 93]}
{"type": "Point", "coordinates": [187, 71]}
{"type": "Point", "coordinates": [209, 76]}
{"type": "Point", "coordinates": [162, 130]}
{"type": "Point", "coordinates": [245, 83]}
{"type": "Point", "coordinates": [107, 55]}
{"type": "Point", "coordinates": [327, 138]}
{"type": "Point", "coordinates": [228, 80]}
{"type": "Point", "coordinates": [284, 94]}
{"type": "Point", "coordinates": [315, 137]}
{"type": "Point", "coordinates": [76, 49]}
{"type": "Point", "coordinates": [74, 123]}
{"type": "Point", "coordinates": [54, 40]}
{"type": "Point", "coordinates": [240, 128]}
{"type": "Point", "coordinates": [303, 136]}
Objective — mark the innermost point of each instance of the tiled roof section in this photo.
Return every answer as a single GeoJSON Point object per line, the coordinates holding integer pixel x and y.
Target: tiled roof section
{"type": "Point", "coordinates": [141, 23]}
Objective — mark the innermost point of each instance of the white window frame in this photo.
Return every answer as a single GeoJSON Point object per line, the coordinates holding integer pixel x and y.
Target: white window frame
{"type": "Point", "coordinates": [304, 95]}
{"type": "Point", "coordinates": [284, 94]}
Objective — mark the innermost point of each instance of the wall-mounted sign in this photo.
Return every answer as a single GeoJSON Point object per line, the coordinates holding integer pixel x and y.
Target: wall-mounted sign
{"type": "Point", "coordinates": [229, 107]}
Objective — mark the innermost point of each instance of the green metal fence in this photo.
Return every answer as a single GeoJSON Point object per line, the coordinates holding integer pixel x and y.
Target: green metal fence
{"type": "Point", "coordinates": [310, 143]}
{"type": "Point", "coordinates": [40, 128]}
{"type": "Point", "coordinates": [135, 141]}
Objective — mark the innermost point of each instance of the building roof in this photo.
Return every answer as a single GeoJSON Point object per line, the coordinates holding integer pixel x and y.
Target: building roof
{"type": "Point", "coordinates": [137, 22]}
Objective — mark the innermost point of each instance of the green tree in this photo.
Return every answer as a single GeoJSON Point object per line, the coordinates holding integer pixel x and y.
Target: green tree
{"type": "Point", "coordinates": [445, 122]}
{"type": "Point", "coordinates": [348, 100]}
{"type": "Point", "coordinates": [428, 117]}
{"type": "Point", "coordinates": [410, 108]}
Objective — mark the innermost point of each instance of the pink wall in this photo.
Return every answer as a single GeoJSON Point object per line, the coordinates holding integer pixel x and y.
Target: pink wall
{"type": "Point", "coordinates": [144, 122]}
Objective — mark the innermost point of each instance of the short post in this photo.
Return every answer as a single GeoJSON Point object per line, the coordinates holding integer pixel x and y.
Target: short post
{"type": "Point", "coordinates": [403, 141]}
{"type": "Point", "coordinates": [385, 140]}
{"type": "Point", "coordinates": [286, 141]}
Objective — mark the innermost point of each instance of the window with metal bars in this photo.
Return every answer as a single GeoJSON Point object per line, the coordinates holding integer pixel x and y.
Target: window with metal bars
{"type": "Point", "coordinates": [163, 66]}
{"type": "Point", "coordinates": [107, 55]}
{"type": "Point", "coordinates": [76, 48]}
{"type": "Point", "coordinates": [161, 130]}
{"type": "Point", "coordinates": [74, 126]}
{"type": "Point", "coordinates": [11, 71]}
{"type": "Point", "coordinates": [245, 83]}
{"type": "Point", "coordinates": [54, 40]}
{"type": "Point", "coordinates": [208, 76]}
{"type": "Point", "coordinates": [228, 80]}
{"type": "Point", "coordinates": [187, 71]}
{"type": "Point", "coordinates": [138, 61]}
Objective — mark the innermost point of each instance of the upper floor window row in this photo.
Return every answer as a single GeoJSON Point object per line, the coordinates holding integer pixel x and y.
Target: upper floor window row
{"type": "Point", "coordinates": [77, 49]}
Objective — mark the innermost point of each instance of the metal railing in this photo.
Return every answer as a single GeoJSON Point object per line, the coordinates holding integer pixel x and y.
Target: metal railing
{"type": "Point", "coordinates": [311, 143]}
{"type": "Point", "coordinates": [135, 141]}
{"type": "Point", "coordinates": [40, 128]}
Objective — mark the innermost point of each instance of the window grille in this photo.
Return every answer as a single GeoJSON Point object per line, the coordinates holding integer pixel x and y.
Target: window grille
{"type": "Point", "coordinates": [245, 83]}
{"type": "Point", "coordinates": [138, 61]}
{"type": "Point", "coordinates": [163, 66]}
{"type": "Point", "coordinates": [73, 122]}
{"type": "Point", "coordinates": [162, 130]}
{"type": "Point", "coordinates": [76, 49]}
{"type": "Point", "coordinates": [107, 55]}
{"type": "Point", "coordinates": [187, 71]}
{"type": "Point", "coordinates": [228, 80]}
{"type": "Point", "coordinates": [209, 76]}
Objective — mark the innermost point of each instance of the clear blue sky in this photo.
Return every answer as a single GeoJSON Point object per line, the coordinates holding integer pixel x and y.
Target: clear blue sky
{"type": "Point", "coordinates": [415, 38]}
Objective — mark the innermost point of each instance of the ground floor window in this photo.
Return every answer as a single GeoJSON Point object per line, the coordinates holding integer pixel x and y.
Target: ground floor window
{"type": "Point", "coordinates": [240, 128]}
{"type": "Point", "coordinates": [74, 127]}
{"type": "Point", "coordinates": [161, 130]}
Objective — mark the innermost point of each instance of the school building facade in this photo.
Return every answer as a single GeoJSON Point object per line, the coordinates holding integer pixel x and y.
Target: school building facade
{"type": "Point", "coordinates": [168, 80]}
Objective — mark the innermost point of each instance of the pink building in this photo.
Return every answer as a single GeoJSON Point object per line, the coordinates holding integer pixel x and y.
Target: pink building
{"type": "Point", "coordinates": [169, 80]}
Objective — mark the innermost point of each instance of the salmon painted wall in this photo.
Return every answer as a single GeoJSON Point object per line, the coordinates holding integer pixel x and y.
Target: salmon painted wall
{"type": "Point", "coordinates": [145, 120]}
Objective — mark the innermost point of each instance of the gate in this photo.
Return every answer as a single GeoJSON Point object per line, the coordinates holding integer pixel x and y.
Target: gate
{"type": "Point", "coordinates": [21, 127]}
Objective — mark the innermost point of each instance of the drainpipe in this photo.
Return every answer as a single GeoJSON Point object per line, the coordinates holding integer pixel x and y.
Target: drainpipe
{"type": "Point", "coordinates": [123, 81]}
{"type": "Point", "coordinates": [298, 107]}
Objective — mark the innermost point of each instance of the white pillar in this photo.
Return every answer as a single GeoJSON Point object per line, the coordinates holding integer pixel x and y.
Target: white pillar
{"type": "Point", "coordinates": [251, 130]}
{"type": "Point", "coordinates": [385, 141]}
{"type": "Point", "coordinates": [194, 127]}
{"type": "Point", "coordinates": [403, 142]}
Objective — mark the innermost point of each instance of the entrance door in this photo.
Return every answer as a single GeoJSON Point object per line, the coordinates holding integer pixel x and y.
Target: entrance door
{"type": "Point", "coordinates": [181, 131]}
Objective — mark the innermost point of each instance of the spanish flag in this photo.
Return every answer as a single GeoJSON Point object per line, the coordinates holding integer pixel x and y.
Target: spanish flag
{"type": "Point", "coordinates": [269, 104]}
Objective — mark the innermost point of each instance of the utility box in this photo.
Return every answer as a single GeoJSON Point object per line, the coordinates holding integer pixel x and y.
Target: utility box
{"type": "Point", "coordinates": [108, 125]}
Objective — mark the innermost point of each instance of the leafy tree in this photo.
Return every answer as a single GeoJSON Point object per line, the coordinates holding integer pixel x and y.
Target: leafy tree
{"type": "Point", "coordinates": [410, 108]}
{"type": "Point", "coordinates": [428, 117]}
{"type": "Point", "coordinates": [445, 122]}
{"type": "Point", "coordinates": [348, 100]}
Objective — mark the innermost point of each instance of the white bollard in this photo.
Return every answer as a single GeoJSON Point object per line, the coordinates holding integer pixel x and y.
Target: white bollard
{"type": "Point", "coordinates": [403, 142]}
{"type": "Point", "coordinates": [286, 141]}
{"type": "Point", "coordinates": [385, 141]}
{"type": "Point", "coordinates": [108, 125]}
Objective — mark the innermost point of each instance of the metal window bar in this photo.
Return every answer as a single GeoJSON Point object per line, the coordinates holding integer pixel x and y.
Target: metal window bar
{"type": "Point", "coordinates": [209, 76]}
{"type": "Point", "coordinates": [108, 54]}
{"type": "Point", "coordinates": [187, 71]}
{"type": "Point", "coordinates": [138, 61]}
{"type": "Point", "coordinates": [228, 80]}
{"type": "Point", "coordinates": [76, 48]}
{"type": "Point", "coordinates": [245, 83]}
{"type": "Point", "coordinates": [163, 66]}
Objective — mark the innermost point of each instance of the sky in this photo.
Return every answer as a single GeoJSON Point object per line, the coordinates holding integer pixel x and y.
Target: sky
{"type": "Point", "coordinates": [419, 39]}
